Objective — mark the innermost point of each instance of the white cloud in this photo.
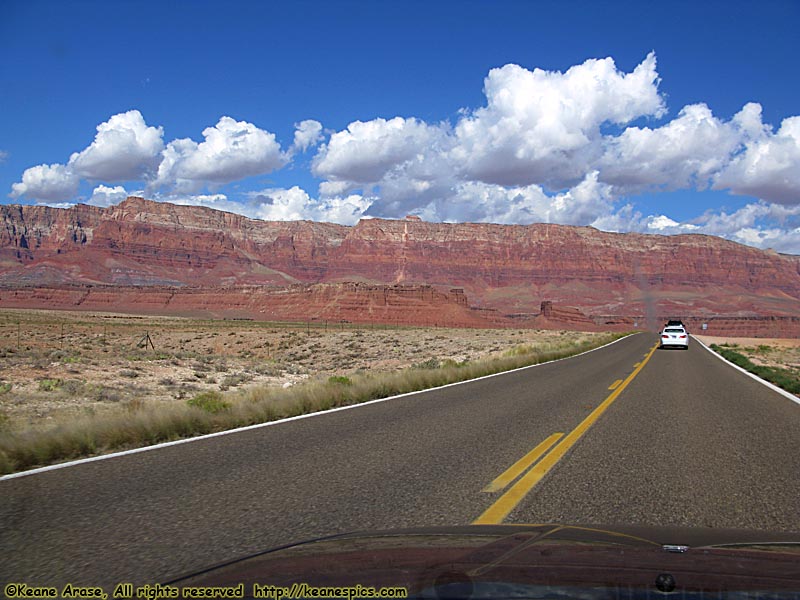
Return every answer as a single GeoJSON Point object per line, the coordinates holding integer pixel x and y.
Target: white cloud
{"type": "Point", "coordinates": [307, 133]}
{"type": "Point", "coordinates": [47, 182]}
{"type": "Point", "coordinates": [685, 152]}
{"type": "Point", "coordinates": [335, 188]}
{"type": "Point", "coordinates": [558, 147]}
{"type": "Point", "coordinates": [295, 204]}
{"type": "Point", "coordinates": [105, 196]}
{"type": "Point", "coordinates": [278, 204]}
{"type": "Point", "coordinates": [3, 156]}
{"type": "Point", "coordinates": [124, 149]}
{"type": "Point", "coordinates": [758, 224]}
{"type": "Point", "coordinates": [659, 223]}
{"type": "Point", "coordinates": [476, 201]}
{"type": "Point", "coordinates": [544, 127]}
{"type": "Point", "coordinates": [366, 152]}
{"type": "Point", "coordinates": [232, 150]}
{"type": "Point", "coordinates": [769, 168]}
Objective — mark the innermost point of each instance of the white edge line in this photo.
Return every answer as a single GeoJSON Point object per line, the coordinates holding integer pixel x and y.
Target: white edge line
{"type": "Point", "coordinates": [206, 436]}
{"type": "Point", "coordinates": [771, 386]}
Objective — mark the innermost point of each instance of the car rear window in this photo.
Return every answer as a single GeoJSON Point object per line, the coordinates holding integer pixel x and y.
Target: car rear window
{"type": "Point", "coordinates": [672, 330]}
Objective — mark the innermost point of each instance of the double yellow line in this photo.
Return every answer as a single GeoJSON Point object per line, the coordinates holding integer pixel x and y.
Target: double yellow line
{"type": "Point", "coordinates": [509, 500]}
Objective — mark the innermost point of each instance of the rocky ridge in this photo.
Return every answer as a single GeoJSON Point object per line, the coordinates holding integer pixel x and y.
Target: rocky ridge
{"type": "Point", "coordinates": [503, 269]}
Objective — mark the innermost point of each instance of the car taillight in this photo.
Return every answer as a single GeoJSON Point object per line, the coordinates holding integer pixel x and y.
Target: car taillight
{"type": "Point", "coordinates": [664, 337]}
{"type": "Point", "coordinates": [683, 337]}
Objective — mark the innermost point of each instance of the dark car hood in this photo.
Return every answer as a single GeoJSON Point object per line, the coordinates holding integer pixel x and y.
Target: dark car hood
{"type": "Point", "coordinates": [517, 561]}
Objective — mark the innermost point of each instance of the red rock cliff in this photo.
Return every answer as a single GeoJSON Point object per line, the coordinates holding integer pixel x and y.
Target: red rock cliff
{"type": "Point", "coordinates": [508, 267]}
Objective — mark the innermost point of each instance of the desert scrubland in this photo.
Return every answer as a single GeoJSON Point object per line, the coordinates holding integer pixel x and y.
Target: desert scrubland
{"type": "Point", "coordinates": [55, 364]}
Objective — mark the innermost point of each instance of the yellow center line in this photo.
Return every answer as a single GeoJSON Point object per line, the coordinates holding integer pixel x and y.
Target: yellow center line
{"type": "Point", "coordinates": [522, 464]}
{"type": "Point", "coordinates": [615, 384]}
{"type": "Point", "coordinates": [636, 364]}
{"type": "Point", "coordinates": [509, 500]}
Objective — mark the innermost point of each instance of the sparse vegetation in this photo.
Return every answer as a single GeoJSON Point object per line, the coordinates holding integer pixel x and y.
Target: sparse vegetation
{"type": "Point", "coordinates": [788, 379]}
{"type": "Point", "coordinates": [212, 402]}
{"type": "Point", "coordinates": [49, 385]}
{"type": "Point", "coordinates": [139, 423]}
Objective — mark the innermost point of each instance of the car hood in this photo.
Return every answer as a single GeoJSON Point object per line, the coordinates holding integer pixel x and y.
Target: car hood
{"type": "Point", "coordinates": [523, 561]}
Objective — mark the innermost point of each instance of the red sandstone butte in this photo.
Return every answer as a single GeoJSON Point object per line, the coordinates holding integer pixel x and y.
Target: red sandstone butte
{"type": "Point", "coordinates": [139, 253]}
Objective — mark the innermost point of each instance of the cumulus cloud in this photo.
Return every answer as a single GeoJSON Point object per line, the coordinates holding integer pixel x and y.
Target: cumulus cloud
{"type": "Point", "coordinates": [232, 150]}
{"type": "Point", "coordinates": [540, 129]}
{"type": "Point", "coordinates": [48, 183]}
{"type": "Point", "coordinates": [279, 204]}
{"type": "Point", "coordinates": [562, 147]}
{"type": "Point", "coordinates": [769, 168]}
{"type": "Point", "coordinates": [295, 204]}
{"type": "Point", "coordinates": [105, 196]}
{"type": "Point", "coordinates": [760, 224]}
{"type": "Point", "coordinates": [307, 134]}
{"type": "Point", "coordinates": [487, 202]}
{"type": "Point", "coordinates": [544, 127]}
{"type": "Point", "coordinates": [125, 148]}
{"type": "Point", "coordinates": [685, 152]}
{"type": "Point", "coordinates": [367, 151]}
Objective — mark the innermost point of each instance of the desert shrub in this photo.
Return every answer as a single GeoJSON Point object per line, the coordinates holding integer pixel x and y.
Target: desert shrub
{"type": "Point", "coordinates": [73, 387]}
{"type": "Point", "coordinates": [235, 379]}
{"type": "Point", "coordinates": [270, 369]}
{"type": "Point", "coordinates": [50, 385]}
{"type": "Point", "coordinates": [431, 363]}
{"type": "Point", "coordinates": [339, 380]}
{"type": "Point", "coordinates": [449, 362]}
{"type": "Point", "coordinates": [5, 387]}
{"type": "Point", "coordinates": [102, 393]}
{"type": "Point", "coordinates": [210, 401]}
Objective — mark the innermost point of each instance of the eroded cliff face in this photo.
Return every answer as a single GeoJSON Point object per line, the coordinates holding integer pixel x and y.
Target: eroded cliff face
{"type": "Point", "coordinates": [509, 268]}
{"type": "Point", "coordinates": [329, 303]}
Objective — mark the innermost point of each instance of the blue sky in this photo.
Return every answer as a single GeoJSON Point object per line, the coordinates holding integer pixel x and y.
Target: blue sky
{"type": "Point", "coordinates": [659, 117]}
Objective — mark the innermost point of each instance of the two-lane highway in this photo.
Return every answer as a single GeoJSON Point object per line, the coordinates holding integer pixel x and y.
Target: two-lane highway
{"type": "Point", "coordinates": [691, 442]}
{"type": "Point", "coordinates": [684, 440]}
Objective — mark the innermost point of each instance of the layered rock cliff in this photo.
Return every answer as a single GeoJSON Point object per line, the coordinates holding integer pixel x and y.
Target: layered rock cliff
{"type": "Point", "coordinates": [509, 268]}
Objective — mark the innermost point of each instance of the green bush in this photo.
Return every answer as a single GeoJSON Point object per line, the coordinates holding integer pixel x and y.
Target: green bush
{"type": "Point", "coordinates": [210, 401]}
{"type": "Point", "coordinates": [431, 363]}
{"type": "Point", "coordinates": [50, 385]}
{"type": "Point", "coordinates": [339, 380]}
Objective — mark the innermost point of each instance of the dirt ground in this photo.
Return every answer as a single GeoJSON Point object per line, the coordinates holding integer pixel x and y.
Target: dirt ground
{"type": "Point", "coordinates": [56, 364]}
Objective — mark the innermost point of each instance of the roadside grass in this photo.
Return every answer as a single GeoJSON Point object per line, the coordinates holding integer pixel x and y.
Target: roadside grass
{"type": "Point", "coordinates": [141, 423]}
{"type": "Point", "coordinates": [783, 378]}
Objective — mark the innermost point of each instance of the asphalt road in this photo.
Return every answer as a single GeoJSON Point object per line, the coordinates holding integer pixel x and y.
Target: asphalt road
{"type": "Point", "coordinates": [685, 440]}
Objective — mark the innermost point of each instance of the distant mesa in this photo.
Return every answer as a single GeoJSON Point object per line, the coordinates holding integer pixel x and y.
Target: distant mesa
{"type": "Point", "coordinates": [140, 252]}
